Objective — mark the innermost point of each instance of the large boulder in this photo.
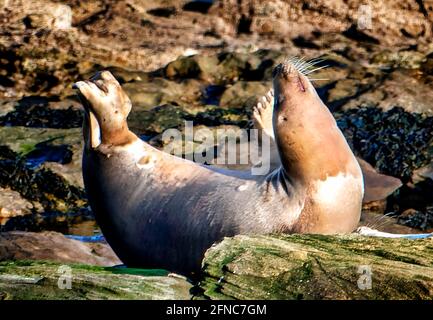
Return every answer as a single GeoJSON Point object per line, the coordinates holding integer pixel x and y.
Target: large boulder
{"type": "Point", "coordinates": [54, 246]}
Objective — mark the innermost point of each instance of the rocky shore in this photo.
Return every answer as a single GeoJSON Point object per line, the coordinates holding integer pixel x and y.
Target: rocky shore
{"type": "Point", "coordinates": [206, 62]}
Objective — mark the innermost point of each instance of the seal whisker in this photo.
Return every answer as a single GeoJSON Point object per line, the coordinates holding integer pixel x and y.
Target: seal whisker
{"type": "Point", "coordinates": [316, 69]}
{"type": "Point", "coordinates": [379, 221]}
{"type": "Point", "coordinates": [295, 61]}
{"type": "Point", "coordinates": [316, 60]}
{"type": "Point", "coordinates": [312, 63]}
{"type": "Point", "coordinates": [300, 63]}
{"type": "Point", "coordinates": [306, 67]}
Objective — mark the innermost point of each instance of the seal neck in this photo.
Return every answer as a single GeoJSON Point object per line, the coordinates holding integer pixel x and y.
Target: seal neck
{"type": "Point", "coordinates": [96, 135]}
{"type": "Point", "coordinates": [118, 137]}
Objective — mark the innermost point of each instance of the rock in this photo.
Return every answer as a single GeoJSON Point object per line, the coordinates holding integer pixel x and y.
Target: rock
{"type": "Point", "coordinates": [40, 112]}
{"type": "Point", "coordinates": [55, 16]}
{"type": "Point", "coordinates": [41, 14]}
{"type": "Point", "coordinates": [423, 173]}
{"type": "Point", "coordinates": [183, 67]}
{"type": "Point", "coordinates": [209, 69]}
{"type": "Point", "coordinates": [226, 67]}
{"type": "Point", "coordinates": [23, 173]}
{"type": "Point", "coordinates": [420, 219]}
{"type": "Point", "coordinates": [346, 90]}
{"type": "Point", "coordinates": [54, 246]}
{"type": "Point", "coordinates": [372, 23]}
{"type": "Point", "coordinates": [427, 65]}
{"type": "Point", "coordinates": [7, 107]}
{"type": "Point", "coordinates": [318, 267]}
{"type": "Point", "coordinates": [244, 94]}
{"type": "Point", "coordinates": [147, 95]}
{"type": "Point", "coordinates": [395, 142]}
{"type": "Point", "coordinates": [13, 205]}
{"type": "Point", "coordinates": [214, 116]}
{"type": "Point", "coordinates": [343, 91]}
{"type": "Point", "coordinates": [59, 150]}
{"type": "Point", "coordinates": [412, 204]}
{"type": "Point", "coordinates": [402, 88]}
{"type": "Point", "coordinates": [355, 33]}
{"type": "Point", "coordinates": [157, 120]}
{"type": "Point", "coordinates": [377, 186]}
{"type": "Point", "coordinates": [40, 280]}
{"type": "Point", "coordinates": [398, 59]}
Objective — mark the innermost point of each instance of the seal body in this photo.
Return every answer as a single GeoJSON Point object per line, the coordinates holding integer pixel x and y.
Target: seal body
{"type": "Point", "coordinates": [160, 211]}
{"type": "Point", "coordinates": [167, 215]}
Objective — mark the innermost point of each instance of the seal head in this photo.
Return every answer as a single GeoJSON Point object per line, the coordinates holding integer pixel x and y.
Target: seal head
{"type": "Point", "coordinates": [106, 109]}
{"type": "Point", "coordinates": [315, 155]}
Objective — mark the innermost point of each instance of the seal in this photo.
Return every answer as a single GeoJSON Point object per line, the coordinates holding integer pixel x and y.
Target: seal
{"type": "Point", "coordinates": [377, 186]}
{"type": "Point", "coordinates": [161, 211]}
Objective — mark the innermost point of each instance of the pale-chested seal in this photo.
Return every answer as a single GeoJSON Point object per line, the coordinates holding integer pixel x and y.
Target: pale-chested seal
{"type": "Point", "coordinates": [161, 211]}
{"type": "Point", "coordinates": [376, 186]}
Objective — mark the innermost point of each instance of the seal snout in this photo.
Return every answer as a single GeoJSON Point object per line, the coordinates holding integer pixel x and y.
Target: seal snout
{"type": "Point", "coordinates": [289, 75]}
{"type": "Point", "coordinates": [284, 69]}
{"type": "Point", "coordinates": [97, 86]}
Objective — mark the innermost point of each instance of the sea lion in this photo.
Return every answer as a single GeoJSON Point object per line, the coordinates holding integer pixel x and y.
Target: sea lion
{"type": "Point", "coordinates": [161, 211]}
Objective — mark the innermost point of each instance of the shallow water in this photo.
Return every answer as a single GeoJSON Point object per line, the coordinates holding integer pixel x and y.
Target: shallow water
{"type": "Point", "coordinates": [77, 224]}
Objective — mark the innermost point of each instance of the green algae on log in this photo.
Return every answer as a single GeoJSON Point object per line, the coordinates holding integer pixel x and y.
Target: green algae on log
{"type": "Point", "coordinates": [28, 280]}
{"type": "Point", "coordinates": [318, 267]}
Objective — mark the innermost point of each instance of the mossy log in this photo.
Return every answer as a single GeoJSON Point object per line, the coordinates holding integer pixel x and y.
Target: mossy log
{"type": "Point", "coordinates": [48, 280]}
{"type": "Point", "coordinates": [318, 267]}
{"type": "Point", "coordinates": [249, 267]}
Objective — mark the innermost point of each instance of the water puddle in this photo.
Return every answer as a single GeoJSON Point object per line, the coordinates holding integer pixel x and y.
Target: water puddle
{"type": "Point", "coordinates": [46, 152]}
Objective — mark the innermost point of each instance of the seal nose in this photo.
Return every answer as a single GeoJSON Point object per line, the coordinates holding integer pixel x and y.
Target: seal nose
{"type": "Point", "coordinates": [291, 75]}
{"type": "Point", "coordinates": [283, 69]}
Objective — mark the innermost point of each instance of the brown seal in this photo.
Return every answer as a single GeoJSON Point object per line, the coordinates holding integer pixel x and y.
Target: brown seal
{"type": "Point", "coordinates": [161, 211]}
